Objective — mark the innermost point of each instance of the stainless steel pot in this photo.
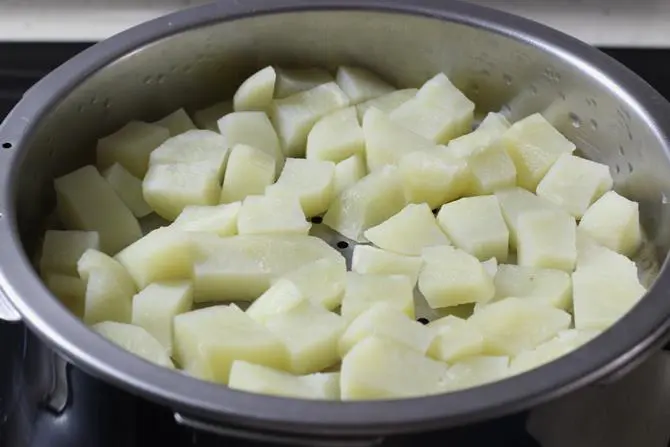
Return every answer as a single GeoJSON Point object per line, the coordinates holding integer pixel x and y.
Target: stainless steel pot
{"type": "Point", "coordinates": [194, 57]}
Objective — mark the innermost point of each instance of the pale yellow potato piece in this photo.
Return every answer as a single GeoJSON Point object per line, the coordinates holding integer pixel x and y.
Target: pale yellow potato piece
{"type": "Point", "coordinates": [380, 368]}
{"type": "Point", "coordinates": [131, 146]}
{"type": "Point", "coordinates": [217, 219]}
{"type": "Point", "coordinates": [534, 145]}
{"type": "Point", "coordinates": [360, 84]}
{"type": "Point", "coordinates": [155, 307]}
{"type": "Point", "coordinates": [475, 371]}
{"type": "Point", "coordinates": [347, 173]}
{"type": "Point", "coordinates": [245, 376]}
{"type": "Point", "coordinates": [281, 297]}
{"type": "Point", "coordinates": [363, 291]}
{"type": "Point", "coordinates": [207, 118]}
{"type": "Point", "coordinates": [454, 339]}
{"type": "Point", "coordinates": [311, 181]}
{"type": "Point", "coordinates": [164, 254]}
{"type": "Point", "coordinates": [336, 137]}
{"type": "Point", "coordinates": [279, 214]}
{"type": "Point", "coordinates": [614, 221]}
{"type": "Point", "coordinates": [512, 325]}
{"type": "Point", "coordinates": [249, 172]}
{"type": "Point", "coordinates": [476, 225]}
{"type": "Point", "coordinates": [372, 260]}
{"type": "Point", "coordinates": [62, 249]}
{"type": "Point", "coordinates": [491, 266]}
{"type": "Point", "coordinates": [295, 80]}
{"type": "Point", "coordinates": [371, 201]}
{"type": "Point", "coordinates": [490, 129]}
{"type": "Point", "coordinates": [547, 239]}
{"type": "Point", "coordinates": [128, 188]}
{"type": "Point", "coordinates": [384, 320]}
{"type": "Point", "coordinates": [85, 201]}
{"type": "Point", "coordinates": [435, 121]}
{"type": "Point", "coordinates": [492, 169]}
{"type": "Point", "coordinates": [193, 146]}
{"type": "Point", "coordinates": [440, 90]}
{"type": "Point", "coordinates": [310, 334]}
{"type": "Point", "coordinates": [176, 122]}
{"type": "Point", "coordinates": [208, 341]}
{"type": "Point", "coordinates": [135, 340]}
{"type": "Point", "coordinates": [70, 291]}
{"type": "Point", "coordinates": [547, 285]}
{"type": "Point", "coordinates": [256, 92]}
{"type": "Point", "coordinates": [451, 276]}
{"type": "Point", "coordinates": [322, 281]}
{"type": "Point", "coordinates": [386, 103]}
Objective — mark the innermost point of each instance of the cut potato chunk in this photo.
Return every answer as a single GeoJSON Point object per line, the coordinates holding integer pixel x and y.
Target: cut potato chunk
{"type": "Point", "coordinates": [85, 201]}
{"type": "Point", "coordinates": [249, 172]}
{"type": "Point", "coordinates": [372, 260]}
{"type": "Point", "coordinates": [441, 91]}
{"type": "Point", "coordinates": [360, 84]}
{"type": "Point", "coordinates": [434, 121]}
{"type": "Point", "coordinates": [386, 142]}
{"type": "Point", "coordinates": [281, 297]}
{"type": "Point", "coordinates": [384, 320]}
{"type": "Point", "coordinates": [194, 146]}
{"type": "Point", "coordinates": [207, 118]}
{"type": "Point", "coordinates": [246, 376]}
{"type": "Point", "coordinates": [70, 291]}
{"type": "Point", "coordinates": [295, 80]}
{"type": "Point", "coordinates": [208, 341]}
{"type": "Point", "coordinates": [534, 145]}
{"type": "Point", "coordinates": [176, 122]}
{"type": "Point", "coordinates": [155, 307]}
{"type": "Point", "coordinates": [451, 276]}
{"type": "Point", "coordinates": [135, 340]}
{"type": "Point", "coordinates": [491, 266]}
{"type": "Point", "coordinates": [322, 281]}
{"type": "Point", "coordinates": [574, 183]}
{"type": "Point", "coordinates": [129, 189]}
{"type": "Point", "coordinates": [476, 225]}
{"type": "Point", "coordinates": [62, 249]}
{"type": "Point", "coordinates": [131, 146]}
{"type": "Point", "coordinates": [347, 173]}
{"type": "Point", "coordinates": [294, 116]}
{"type": "Point", "coordinates": [311, 181]}
{"type": "Point", "coordinates": [363, 291]}
{"type": "Point", "coordinates": [614, 221]}
{"type": "Point", "coordinates": [454, 339]}
{"type": "Point", "coordinates": [169, 188]}
{"type": "Point", "coordinates": [386, 103]}
{"type": "Point", "coordinates": [164, 254]}
{"type": "Point", "coordinates": [380, 368]}
{"type": "Point", "coordinates": [515, 202]}
{"type": "Point", "coordinates": [256, 92]}
{"type": "Point", "coordinates": [514, 324]}
{"type": "Point", "coordinates": [279, 214]}
{"type": "Point", "coordinates": [409, 231]}
{"type": "Point", "coordinates": [336, 137]}
{"type": "Point", "coordinates": [217, 219]}
{"type": "Point", "coordinates": [547, 285]}
{"type": "Point", "coordinates": [369, 202]}
{"type": "Point", "coordinates": [547, 239]}
{"type": "Point", "coordinates": [492, 169]}
{"type": "Point", "coordinates": [490, 129]}
{"type": "Point", "coordinates": [475, 371]}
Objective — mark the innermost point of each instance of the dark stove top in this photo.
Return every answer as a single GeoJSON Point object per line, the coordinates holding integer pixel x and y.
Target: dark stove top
{"type": "Point", "coordinates": [33, 412]}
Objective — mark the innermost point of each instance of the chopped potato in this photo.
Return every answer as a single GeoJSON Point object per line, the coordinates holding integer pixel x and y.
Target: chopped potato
{"type": "Point", "coordinates": [295, 80]}
{"type": "Point", "coordinates": [454, 339]}
{"type": "Point", "coordinates": [360, 84]}
{"type": "Point", "coordinates": [135, 340]}
{"type": "Point", "coordinates": [322, 281]}
{"type": "Point", "coordinates": [256, 92]}
{"type": "Point", "coordinates": [473, 371]}
{"type": "Point", "coordinates": [277, 214]}
{"type": "Point", "coordinates": [176, 122]}
{"type": "Point", "coordinates": [70, 291]}
{"type": "Point", "coordinates": [347, 173]}
{"type": "Point", "coordinates": [372, 260]}
{"type": "Point", "coordinates": [311, 181]}
{"type": "Point", "coordinates": [196, 147]}
{"type": "Point", "coordinates": [491, 266]}
{"type": "Point", "coordinates": [515, 202]}
{"type": "Point", "coordinates": [363, 291]}
{"type": "Point", "coordinates": [249, 172]}
{"type": "Point", "coordinates": [129, 189]}
{"type": "Point", "coordinates": [62, 249]}
{"type": "Point", "coordinates": [281, 297]}
{"type": "Point", "coordinates": [492, 169]}
{"type": "Point", "coordinates": [490, 129]}
{"type": "Point", "coordinates": [207, 118]}
{"type": "Point", "coordinates": [561, 344]}
{"type": "Point", "coordinates": [547, 239]}
{"type": "Point", "coordinates": [547, 285]}
{"type": "Point", "coordinates": [336, 137]}
{"type": "Point", "coordinates": [217, 219]}
{"type": "Point", "coordinates": [386, 103]}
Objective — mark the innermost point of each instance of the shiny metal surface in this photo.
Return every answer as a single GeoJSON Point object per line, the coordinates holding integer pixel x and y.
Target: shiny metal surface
{"type": "Point", "coordinates": [195, 57]}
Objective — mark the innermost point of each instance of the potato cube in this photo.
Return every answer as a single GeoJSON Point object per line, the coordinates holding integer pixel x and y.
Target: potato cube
{"type": "Point", "coordinates": [217, 219]}
{"type": "Point", "coordinates": [409, 231]}
{"type": "Point", "coordinates": [155, 307]}
{"type": "Point", "coordinates": [534, 145]}
{"type": "Point", "coordinates": [249, 172]}
{"type": "Point", "coordinates": [295, 80]}
{"type": "Point", "coordinates": [386, 103]}
{"type": "Point", "coordinates": [547, 239]}
{"type": "Point", "coordinates": [129, 189]}
{"type": "Point", "coordinates": [252, 378]}
{"type": "Point", "coordinates": [386, 142]}
{"type": "Point", "coordinates": [131, 146]}
{"type": "Point", "coordinates": [550, 286]}
{"type": "Point", "coordinates": [369, 202]}
{"type": "Point", "coordinates": [514, 202]}
{"type": "Point", "coordinates": [62, 249]}
{"type": "Point", "coordinates": [208, 341]}
{"type": "Point", "coordinates": [256, 92]}
{"type": "Point", "coordinates": [451, 276]}
{"type": "Point", "coordinates": [169, 188]}
{"type": "Point", "coordinates": [164, 254]}
{"type": "Point", "coordinates": [176, 122]}
{"type": "Point", "coordinates": [347, 173]}
{"type": "Point", "coordinates": [435, 121]}
{"type": "Point", "coordinates": [193, 146]}
{"type": "Point", "coordinates": [378, 368]}
{"type": "Point", "coordinates": [70, 291]}
{"type": "Point", "coordinates": [490, 129]}
{"type": "Point", "coordinates": [322, 281]}
{"type": "Point", "coordinates": [454, 339]}
{"type": "Point", "coordinates": [276, 214]}
{"type": "Point", "coordinates": [309, 180]}
{"type": "Point", "coordinates": [281, 297]}
{"type": "Point", "coordinates": [85, 201]}
{"type": "Point", "coordinates": [441, 91]}
{"type": "Point", "coordinates": [384, 320]}
{"type": "Point", "coordinates": [476, 225]}
{"type": "Point", "coordinates": [207, 118]}
{"type": "Point", "coordinates": [372, 260]}
{"type": "Point", "coordinates": [363, 291]}
{"type": "Point", "coordinates": [336, 137]}
{"type": "Point", "coordinates": [360, 84]}
{"type": "Point", "coordinates": [475, 371]}
{"type": "Point", "coordinates": [614, 221]}
{"type": "Point", "coordinates": [135, 340]}
{"type": "Point", "coordinates": [294, 116]}
{"type": "Point", "coordinates": [514, 324]}
{"type": "Point", "coordinates": [491, 266]}
{"type": "Point", "coordinates": [492, 169]}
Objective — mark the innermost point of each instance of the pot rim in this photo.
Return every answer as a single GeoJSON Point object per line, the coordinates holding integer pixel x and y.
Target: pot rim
{"type": "Point", "coordinates": [634, 334]}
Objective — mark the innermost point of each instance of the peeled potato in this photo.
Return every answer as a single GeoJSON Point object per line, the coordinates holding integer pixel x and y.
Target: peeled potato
{"type": "Point", "coordinates": [367, 259]}
{"type": "Point", "coordinates": [193, 146]}
{"type": "Point", "coordinates": [281, 297]}
{"type": "Point", "coordinates": [490, 129]}
{"type": "Point", "coordinates": [136, 340]}
{"type": "Point", "coordinates": [249, 172]}
{"type": "Point", "coordinates": [363, 291]}
{"type": "Point", "coordinates": [207, 118]}
{"type": "Point", "coordinates": [129, 189]}
{"type": "Point", "coordinates": [547, 239]}
{"type": "Point", "coordinates": [311, 181]}
{"type": "Point", "coordinates": [217, 219]}
{"type": "Point", "coordinates": [256, 91]}
{"type": "Point", "coordinates": [515, 202]}
{"type": "Point", "coordinates": [360, 84]}
{"type": "Point", "coordinates": [336, 137]}
{"type": "Point", "coordinates": [454, 339]}
{"type": "Point", "coordinates": [321, 281]}
{"type": "Point", "coordinates": [70, 291]}
{"type": "Point", "coordinates": [295, 80]}
{"type": "Point", "coordinates": [176, 122]}
{"type": "Point", "coordinates": [473, 371]}
{"type": "Point", "coordinates": [62, 249]}
{"type": "Point", "coordinates": [272, 215]}
{"type": "Point", "coordinates": [386, 103]}
{"type": "Point", "coordinates": [547, 285]}
{"type": "Point", "coordinates": [347, 173]}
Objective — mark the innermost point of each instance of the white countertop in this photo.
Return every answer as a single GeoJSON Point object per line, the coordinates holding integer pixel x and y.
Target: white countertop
{"type": "Point", "coordinates": [641, 23]}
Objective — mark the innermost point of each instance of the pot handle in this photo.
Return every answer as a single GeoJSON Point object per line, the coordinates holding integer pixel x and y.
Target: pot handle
{"type": "Point", "coordinates": [7, 310]}
{"type": "Point", "coordinates": [273, 437]}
